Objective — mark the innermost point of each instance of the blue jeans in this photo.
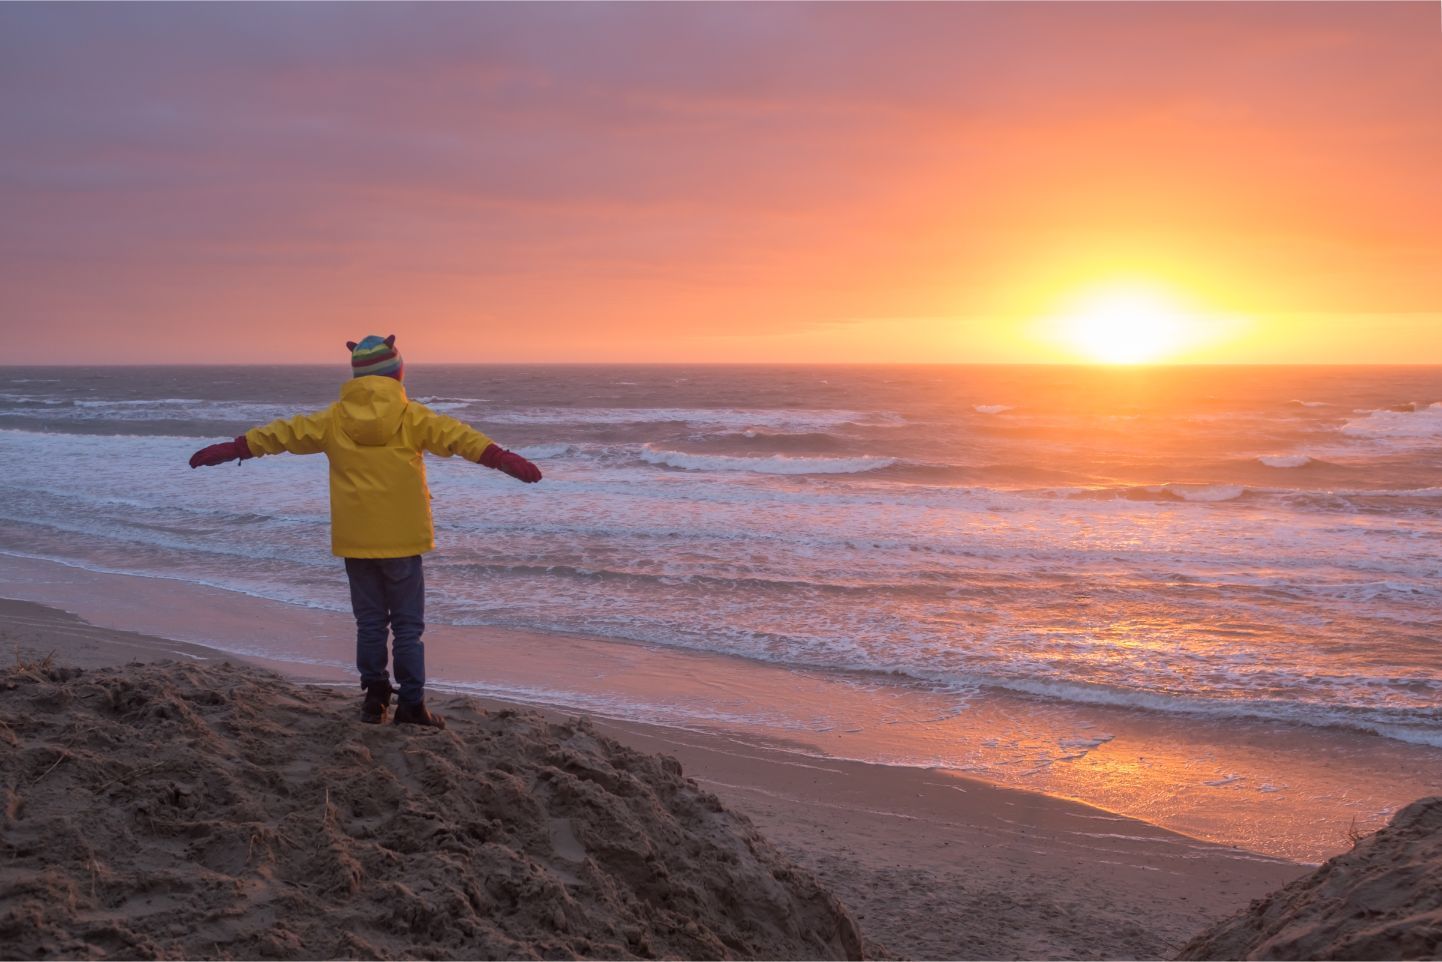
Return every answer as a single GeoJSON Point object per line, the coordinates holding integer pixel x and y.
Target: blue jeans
{"type": "Point", "coordinates": [390, 593]}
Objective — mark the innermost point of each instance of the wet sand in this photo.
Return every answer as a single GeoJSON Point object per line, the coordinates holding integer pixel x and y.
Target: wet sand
{"type": "Point", "coordinates": [1285, 790]}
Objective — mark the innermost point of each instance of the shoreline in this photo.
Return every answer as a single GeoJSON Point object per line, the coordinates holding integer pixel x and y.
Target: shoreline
{"type": "Point", "coordinates": [1281, 790]}
{"type": "Point", "coordinates": [932, 864]}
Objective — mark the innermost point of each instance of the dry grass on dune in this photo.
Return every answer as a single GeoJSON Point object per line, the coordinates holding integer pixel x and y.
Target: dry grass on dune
{"type": "Point", "coordinates": [211, 811]}
{"type": "Point", "coordinates": [1381, 900]}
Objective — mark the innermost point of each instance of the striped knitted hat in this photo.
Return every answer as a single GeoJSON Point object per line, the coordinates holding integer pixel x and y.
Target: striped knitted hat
{"type": "Point", "coordinates": [376, 355]}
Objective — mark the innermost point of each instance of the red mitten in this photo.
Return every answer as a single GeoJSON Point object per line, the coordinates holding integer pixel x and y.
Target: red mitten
{"type": "Point", "coordinates": [239, 449]}
{"type": "Point", "coordinates": [513, 464]}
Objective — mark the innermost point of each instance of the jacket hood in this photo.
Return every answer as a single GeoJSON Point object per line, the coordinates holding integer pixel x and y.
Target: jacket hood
{"type": "Point", "coordinates": [370, 408]}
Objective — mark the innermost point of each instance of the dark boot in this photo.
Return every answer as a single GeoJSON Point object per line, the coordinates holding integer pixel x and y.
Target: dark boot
{"type": "Point", "coordinates": [377, 702]}
{"type": "Point", "coordinates": [418, 714]}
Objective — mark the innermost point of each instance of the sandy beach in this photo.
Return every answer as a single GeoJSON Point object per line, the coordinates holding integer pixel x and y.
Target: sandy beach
{"type": "Point", "coordinates": [860, 480]}
{"type": "Point", "coordinates": [930, 865]}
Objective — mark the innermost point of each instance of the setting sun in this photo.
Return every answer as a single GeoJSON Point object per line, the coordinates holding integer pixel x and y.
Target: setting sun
{"type": "Point", "coordinates": [1126, 325]}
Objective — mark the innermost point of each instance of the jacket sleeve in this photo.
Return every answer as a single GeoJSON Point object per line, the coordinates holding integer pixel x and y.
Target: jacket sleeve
{"type": "Point", "coordinates": [302, 434]}
{"type": "Point", "coordinates": [445, 436]}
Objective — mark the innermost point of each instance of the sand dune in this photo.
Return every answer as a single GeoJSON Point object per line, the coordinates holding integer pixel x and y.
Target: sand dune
{"type": "Point", "coordinates": [1381, 900]}
{"type": "Point", "coordinates": [931, 865]}
{"type": "Point", "coordinates": [204, 811]}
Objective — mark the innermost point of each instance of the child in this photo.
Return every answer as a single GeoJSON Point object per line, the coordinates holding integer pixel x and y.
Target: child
{"type": "Point", "coordinates": [380, 509]}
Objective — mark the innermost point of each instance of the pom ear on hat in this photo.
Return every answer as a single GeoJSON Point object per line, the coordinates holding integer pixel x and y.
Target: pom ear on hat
{"type": "Point", "coordinates": [350, 346]}
{"type": "Point", "coordinates": [390, 341]}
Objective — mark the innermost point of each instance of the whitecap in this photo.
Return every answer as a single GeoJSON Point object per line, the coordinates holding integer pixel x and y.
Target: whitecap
{"type": "Point", "coordinates": [1285, 460]}
{"type": "Point", "coordinates": [990, 408]}
{"type": "Point", "coordinates": [778, 464]}
{"type": "Point", "coordinates": [539, 451]}
{"type": "Point", "coordinates": [449, 403]}
{"type": "Point", "coordinates": [1206, 492]}
{"type": "Point", "coordinates": [733, 419]}
{"type": "Point", "coordinates": [1423, 424]}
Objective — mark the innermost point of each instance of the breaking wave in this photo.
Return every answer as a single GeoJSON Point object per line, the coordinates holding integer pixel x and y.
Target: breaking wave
{"type": "Point", "coordinates": [1285, 460]}
{"type": "Point", "coordinates": [776, 464]}
{"type": "Point", "coordinates": [1405, 424]}
{"type": "Point", "coordinates": [1201, 493]}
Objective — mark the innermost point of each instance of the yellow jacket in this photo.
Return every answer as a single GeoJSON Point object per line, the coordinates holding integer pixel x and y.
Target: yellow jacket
{"type": "Point", "coordinates": [380, 506]}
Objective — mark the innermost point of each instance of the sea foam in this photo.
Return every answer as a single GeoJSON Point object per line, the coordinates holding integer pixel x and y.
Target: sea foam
{"type": "Point", "coordinates": [778, 464]}
{"type": "Point", "coordinates": [1285, 460]}
{"type": "Point", "coordinates": [1423, 424]}
{"type": "Point", "coordinates": [1205, 492]}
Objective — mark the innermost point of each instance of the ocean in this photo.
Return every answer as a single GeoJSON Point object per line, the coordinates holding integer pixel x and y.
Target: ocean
{"type": "Point", "coordinates": [1246, 549]}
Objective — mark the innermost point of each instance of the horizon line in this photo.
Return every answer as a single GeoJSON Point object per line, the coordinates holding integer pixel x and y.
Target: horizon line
{"type": "Point", "coordinates": [341, 365]}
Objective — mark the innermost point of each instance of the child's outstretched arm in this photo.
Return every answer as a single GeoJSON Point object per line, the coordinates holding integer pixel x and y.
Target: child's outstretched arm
{"type": "Point", "coordinates": [446, 436]}
{"type": "Point", "coordinates": [302, 434]}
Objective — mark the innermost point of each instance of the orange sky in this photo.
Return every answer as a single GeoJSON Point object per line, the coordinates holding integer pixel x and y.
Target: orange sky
{"type": "Point", "coordinates": [715, 182]}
